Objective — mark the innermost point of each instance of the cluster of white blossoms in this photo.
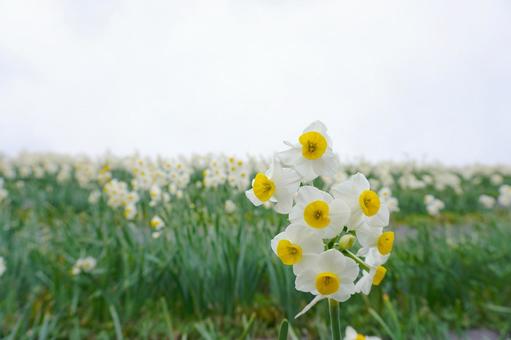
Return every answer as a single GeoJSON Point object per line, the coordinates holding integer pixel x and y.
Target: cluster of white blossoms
{"type": "Point", "coordinates": [325, 225]}
{"type": "Point", "coordinates": [433, 205]}
{"type": "Point", "coordinates": [84, 265]}
{"type": "Point", "coordinates": [223, 170]}
{"type": "Point", "coordinates": [118, 195]}
{"type": "Point", "coordinates": [487, 201]}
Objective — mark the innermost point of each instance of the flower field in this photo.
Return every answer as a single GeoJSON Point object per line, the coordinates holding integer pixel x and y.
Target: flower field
{"type": "Point", "coordinates": [197, 247]}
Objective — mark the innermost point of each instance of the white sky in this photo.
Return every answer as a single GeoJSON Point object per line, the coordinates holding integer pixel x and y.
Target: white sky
{"type": "Point", "coordinates": [391, 79]}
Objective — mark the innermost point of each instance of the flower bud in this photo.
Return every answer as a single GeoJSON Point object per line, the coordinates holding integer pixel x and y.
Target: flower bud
{"type": "Point", "coordinates": [346, 241]}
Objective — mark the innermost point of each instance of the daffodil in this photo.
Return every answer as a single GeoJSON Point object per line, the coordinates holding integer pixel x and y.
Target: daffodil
{"type": "Point", "coordinates": [312, 156]}
{"type": "Point", "coordinates": [375, 274]}
{"type": "Point", "coordinates": [371, 237]}
{"type": "Point", "coordinates": [295, 245]}
{"type": "Point", "coordinates": [365, 204]}
{"type": "Point", "coordinates": [352, 334]}
{"type": "Point", "coordinates": [328, 275]}
{"type": "Point", "coordinates": [277, 185]}
{"type": "Point", "coordinates": [319, 211]}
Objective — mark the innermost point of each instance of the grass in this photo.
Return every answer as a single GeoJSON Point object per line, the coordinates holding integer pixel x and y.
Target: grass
{"type": "Point", "coordinates": [212, 275]}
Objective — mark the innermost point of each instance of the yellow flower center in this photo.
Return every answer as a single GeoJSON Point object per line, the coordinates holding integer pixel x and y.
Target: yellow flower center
{"type": "Point", "coordinates": [386, 242]}
{"type": "Point", "coordinates": [360, 337]}
{"type": "Point", "coordinates": [316, 214]}
{"type": "Point", "coordinates": [314, 144]}
{"type": "Point", "coordinates": [379, 275]}
{"type": "Point", "coordinates": [327, 283]}
{"type": "Point", "coordinates": [369, 202]}
{"type": "Point", "coordinates": [288, 252]}
{"type": "Point", "coordinates": [263, 187]}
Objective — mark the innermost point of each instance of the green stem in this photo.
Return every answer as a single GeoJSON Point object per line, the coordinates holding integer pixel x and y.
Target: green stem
{"type": "Point", "coordinates": [357, 259]}
{"type": "Point", "coordinates": [334, 319]}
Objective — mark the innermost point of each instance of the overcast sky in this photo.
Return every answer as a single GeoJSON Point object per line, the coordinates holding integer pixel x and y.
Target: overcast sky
{"type": "Point", "coordinates": [391, 79]}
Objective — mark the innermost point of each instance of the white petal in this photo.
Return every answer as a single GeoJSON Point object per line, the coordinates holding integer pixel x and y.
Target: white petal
{"type": "Point", "coordinates": [308, 193]}
{"type": "Point", "coordinates": [290, 157]}
{"type": "Point", "coordinates": [346, 191]}
{"type": "Point", "coordinates": [284, 205]}
{"type": "Point", "coordinates": [331, 261]}
{"type": "Point", "coordinates": [305, 282]}
{"type": "Point", "coordinates": [350, 271]}
{"type": "Point", "coordinates": [381, 219]}
{"type": "Point", "coordinates": [368, 235]}
{"type": "Point", "coordinates": [364, 284]}
{"type": "Point", "coordinates": [306, 170]}
{"type": "Point", "coordinates": [307, 261]}
{"type": "Point", "coordinates": [339, 212]}
{"type": "Point", "coordinates": [317, 126]}
{"type": "Point", "coordinates": [360, 181]}
{"type": "Point", "coordinates": [252, 197]}
{"type": "Point", "coordinates": [327, 165]}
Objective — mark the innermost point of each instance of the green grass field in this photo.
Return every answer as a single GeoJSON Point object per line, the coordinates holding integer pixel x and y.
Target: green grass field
{"type": "Point", "coordinates": [211, 273]}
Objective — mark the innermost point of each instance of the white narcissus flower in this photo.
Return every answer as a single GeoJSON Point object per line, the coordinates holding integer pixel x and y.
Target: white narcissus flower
{"type": "Point", "coordinates": [295, 245]}
{"type": "Point", "coordinates": [86, 265]}
{"type": "Point", "coordinates": [365, 204]}
{"type": "Point", "coordinates": [277, 185]}
{"type": "Point", "coordinates": [156, 223]}
{"type": "Point", "coordinates": [229, 206]}
{"type": "Point", "coordinates": [487, 201]}
{"type": "Point", "coordinates": [319, 211]}
{"type": "Point", "coordinates": [328, 275]}
{"type": "Point", "coordinates": [312, 156]}
{"type": "Point", "coordinates": [130, 211]}
{"type": "Point", "coordinates": [433, 205]}
{"type": "Point", "coordinates": [376, 272]}
{"type": "Point", "coordinates": [351, 334]}
{"type": "Point", "coordinates": [371, 237]}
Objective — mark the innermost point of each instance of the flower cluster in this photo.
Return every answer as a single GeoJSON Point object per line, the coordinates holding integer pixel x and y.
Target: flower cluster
{"type": "Point", "coordinates": [324, 226]}
{"type": "Point", "coordinates": [433, 205]}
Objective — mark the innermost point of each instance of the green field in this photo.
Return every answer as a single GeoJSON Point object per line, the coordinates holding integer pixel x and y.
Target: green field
{"type": "Point", "coordinates": [210, 272]}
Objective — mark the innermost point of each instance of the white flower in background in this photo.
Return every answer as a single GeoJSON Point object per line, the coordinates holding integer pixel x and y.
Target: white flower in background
{"type": "Point", "coordinates": [319, 211]}
{"type": "Point", "coordinates": [505, 196]}
{"type": "Point", "coordinates": [3, 268]}
{"type": "Point", "coordinates": [365, 204]}
{"type": "Point", "coordinates": [229, 206]}
{"type": "Point", "coordinates": [351, 334]}
{"type": "Point", "coordinates": [312, 156]}
{"type": "Point", "coordinates": [277, 185]}
{"type": "Point", "coordinates": [156, 223]}
{"type": "Point", "coordinates": [130, 211]}
{"type": "Point", "coordinates": [3, 194]}
{"type": "Point", "coordinates": [94, 196]}
{"type": "Point", "coordinates": [327, 275]}
{"type": "Point", "coordinates": [433, 205]}
{"type": "Point", "coordinates": [295, 245]}
{"type": "Point", "coordinates": [391, 202]}
{"type": "Point", "coordinates": [371, 237]}
{"type": "Point", "coordinates": [155, 194]}
{"type": "Point", "coordinates": [487, 201]}
{"type": "Point", "coordinates": [84, 265]}
{"type": "Point", "coordinates": [376, 272]}
{"type": "Point", "coordinates": [496, 179]}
